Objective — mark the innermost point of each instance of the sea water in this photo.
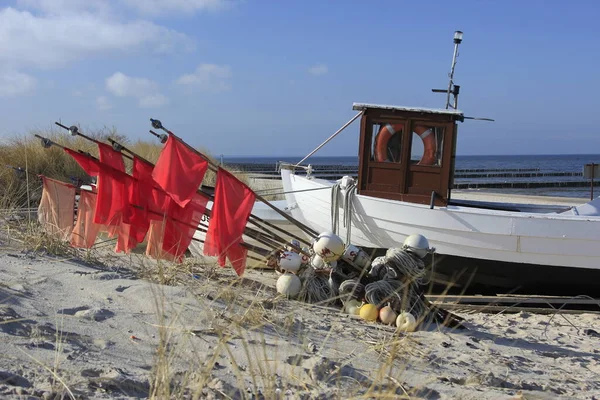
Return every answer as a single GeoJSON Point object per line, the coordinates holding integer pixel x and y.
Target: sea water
{"type": "Point", "coordinates": [534, 168]}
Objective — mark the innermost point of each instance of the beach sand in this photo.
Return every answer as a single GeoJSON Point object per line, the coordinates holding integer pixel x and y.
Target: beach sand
{"type": "Point", "coordinates": [99, 330]}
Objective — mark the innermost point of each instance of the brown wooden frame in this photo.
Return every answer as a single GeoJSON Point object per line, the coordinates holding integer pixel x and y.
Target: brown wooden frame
{"type": "Point", "coordinates": [403, 180]}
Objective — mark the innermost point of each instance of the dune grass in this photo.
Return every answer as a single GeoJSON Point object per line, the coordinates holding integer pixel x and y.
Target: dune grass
{"type": "Point", "coordinates": [22, 189]}
{"type": "Point", "coordinates": [247, 315]}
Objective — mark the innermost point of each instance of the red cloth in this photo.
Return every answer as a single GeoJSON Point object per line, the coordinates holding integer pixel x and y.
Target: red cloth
{"type": "Point", "coordinates": [179, 171]}
{"type": "Point", "coordinates": [152, 197]}
{"type": "Point", "coordinates": [111, 157]}
{"type": "Point", "coordinates": [93, 167]}
{"type": "Point", "coordinates": [113, 195]}
{"type": "Point", "coordinates": [56, 209]}
{"type": "Point", "coordinates": [112, 189]}
{"type": "Point", "coordinates": [181, 224]}
{"type": "Point", "coordinates": [174, 229]}
{"type": "Point", "coordinates": [156, 233]}
{"type": "Point", "coordinates": [139, 192]}
{"type": "Point", "coordinates": [85, 231]}
{"type": "Point", "coordinates": [232, 207]}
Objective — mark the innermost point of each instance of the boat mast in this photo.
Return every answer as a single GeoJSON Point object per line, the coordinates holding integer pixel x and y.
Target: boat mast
{"type": "Point", "coordinates": [452, 88]}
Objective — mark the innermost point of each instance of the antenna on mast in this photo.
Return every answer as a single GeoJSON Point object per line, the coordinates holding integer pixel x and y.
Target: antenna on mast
{"type": "Point", "coordinates": [452, 88]}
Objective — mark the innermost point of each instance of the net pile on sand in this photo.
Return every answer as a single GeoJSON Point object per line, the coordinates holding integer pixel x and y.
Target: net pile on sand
{"type": "Point", "coordinates": [397, 279]}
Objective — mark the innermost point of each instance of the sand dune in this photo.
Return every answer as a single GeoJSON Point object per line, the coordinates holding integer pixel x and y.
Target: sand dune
{"type": "Point", "coordinates": [99, 331]}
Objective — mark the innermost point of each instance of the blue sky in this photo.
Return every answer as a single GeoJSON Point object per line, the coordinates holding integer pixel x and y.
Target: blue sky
{"type": "Point", "coordinates": [275, 78]}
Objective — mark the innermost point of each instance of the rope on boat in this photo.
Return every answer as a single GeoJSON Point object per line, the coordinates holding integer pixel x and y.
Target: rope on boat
{"type": "Point", "coordinates": [347, 207]}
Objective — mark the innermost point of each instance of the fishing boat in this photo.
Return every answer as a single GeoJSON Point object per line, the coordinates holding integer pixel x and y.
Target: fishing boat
{"type": "Point", "coordinates": [404, 186]}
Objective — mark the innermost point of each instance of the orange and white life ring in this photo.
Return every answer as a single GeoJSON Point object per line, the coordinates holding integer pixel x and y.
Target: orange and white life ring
{"type": "Point", "coordinates": [382, 140]}
{"type": "Point", "coordinates": [429, 145]}
{"type": "Point", "coordinates": [385, 134]}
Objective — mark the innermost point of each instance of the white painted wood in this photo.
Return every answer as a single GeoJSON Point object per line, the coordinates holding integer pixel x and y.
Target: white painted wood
{"type": "Point", "coordinates": [523, 237]}
{"type": "Point", "coordinates": [364, 106]}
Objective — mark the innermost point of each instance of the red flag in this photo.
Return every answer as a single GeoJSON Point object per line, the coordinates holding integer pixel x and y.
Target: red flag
{"type": "Point", "coordinates": [112, 210]}
{"type": "Point", "coordinates": [232, 207]}
{"type": "Point", "coordinates": [133, 222]}
{"type": "Point", "coordinates": [154, 198]}
{"type": "Point", "coordinates": [109, 156]}
{"type": "Point", "coordinates": [179, 171]}
{"type": "Point", "coordinates": [85, 231]}
{"type": "Point", "coordinates": [56, 209]}
{"type": "Point", "coordinates": [90, 165]}
{"type": "Point", "coordinates": [112, 195]}
{"type": "Point", "coordinates": [181, 224]}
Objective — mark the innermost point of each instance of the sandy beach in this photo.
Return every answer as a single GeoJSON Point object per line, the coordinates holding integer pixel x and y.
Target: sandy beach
{"type": "Point", "coordinates": [104, 328]}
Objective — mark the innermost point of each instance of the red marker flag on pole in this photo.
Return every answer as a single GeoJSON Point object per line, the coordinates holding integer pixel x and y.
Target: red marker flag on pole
{"type": "Point", "coordinates": [179, 171]}
{"type": "Point", "coordinates": [181, 225]}
{"type": "Point", "coordinates": [85, 230]}
{"type": "Point", "coordinates": [111, 198]}
{"type": "Point", "coordinates": [232, 207]}
{"type": "Point", "coordinates": [56, 209]}
{"type": "Point", "coordinates": [130, 228]}
{"type": "Point", "coordinates": [154, 197]}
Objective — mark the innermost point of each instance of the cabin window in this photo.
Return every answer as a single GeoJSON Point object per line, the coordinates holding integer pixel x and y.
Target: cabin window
{"type": "Point", "coordinates": [427, 145]}
{"type": "Point", "coordinates": [387, 142]}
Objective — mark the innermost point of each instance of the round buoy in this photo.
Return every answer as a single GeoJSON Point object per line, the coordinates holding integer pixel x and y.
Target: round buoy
{"type": "Point", "coordinates": [369, 312]}
{"type": "Point", "coordinates": [329, 246]}
{"type": "Point", "coordinates": [288, 285]}
{"type": "Point", "coordinates": [406, 322]}
{"type": "Point", "coordinates": [387, 315]}
{"type": "Point", "coordinates": [290, 261]}
{"type": "Point", "coordinates": [352, 306]}
{"type": "Point", "coordinates": [317, 262]}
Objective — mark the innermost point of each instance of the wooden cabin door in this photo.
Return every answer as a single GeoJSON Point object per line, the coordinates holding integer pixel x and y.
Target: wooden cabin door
{"type": "Point", "coordinates": [405, 159]}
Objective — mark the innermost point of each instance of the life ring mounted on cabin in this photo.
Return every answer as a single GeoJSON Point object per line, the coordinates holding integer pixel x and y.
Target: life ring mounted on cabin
{"type": "Point", "coordinates": [429, 145]}
{"type": "Point", "coordinates": [384, 152]}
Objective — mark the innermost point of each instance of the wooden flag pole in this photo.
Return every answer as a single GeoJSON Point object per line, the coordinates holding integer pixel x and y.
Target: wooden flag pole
{"type": "Point", "coordinates": [158, 125]}
{"type": "Point", "coordinates": [75, 132]}
{"type": "Point", "coordinates": [253, 219]}
{"type": "Point", "coordinates": [47, 143]}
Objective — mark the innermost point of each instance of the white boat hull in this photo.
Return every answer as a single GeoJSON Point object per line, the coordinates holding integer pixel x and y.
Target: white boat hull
{"type": "Point", "coordinates": [550, 239]}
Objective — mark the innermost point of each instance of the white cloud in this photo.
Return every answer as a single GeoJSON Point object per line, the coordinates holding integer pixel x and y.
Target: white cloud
{"type": "Point", "coordinates": [157, 7]}
{"type": "Point", "coordinates": [147, 7]}
{"type": "Point", "coordinates": [122, 85]}
{"type": "Point", "coordinates": [51, 40]}
{"type": "Point", "coordinates": [65, 6]}
{"type": "Point", "coordinates": [317, 70]}
{"type": "Point", "coordinates": [13, 83]}
{"type": "Point", "coordinates": [102, 103]}
{"type": "Point", "coordinates": [145, 90]}
{"type": "Point", "coordinates": [208, 77]}
{"type": "Point", "coordinates": [154, 101]}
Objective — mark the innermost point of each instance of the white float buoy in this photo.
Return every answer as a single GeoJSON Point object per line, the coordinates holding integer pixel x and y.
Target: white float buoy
{"type": "Point", "coordinates": [406, 322]}
{"type": "Point", "coordinates": [317, 262]}
{"type": "Point", "coordinates": [329, 246]}
{"type": "Point", "coordinates": [288, 285]}
{"type": "Point", "coordinates": [290, 261]}
{"type": "Point", "coordinates": [356, 255]}
{"type": "Point", "coordinates": [352, 306]}
{"type": "Point", "coordinates": [387, 315]}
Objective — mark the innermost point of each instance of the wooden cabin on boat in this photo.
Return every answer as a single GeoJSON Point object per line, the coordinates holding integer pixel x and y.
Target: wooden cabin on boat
{"type": "Point", "coordinates": [407, 153]}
